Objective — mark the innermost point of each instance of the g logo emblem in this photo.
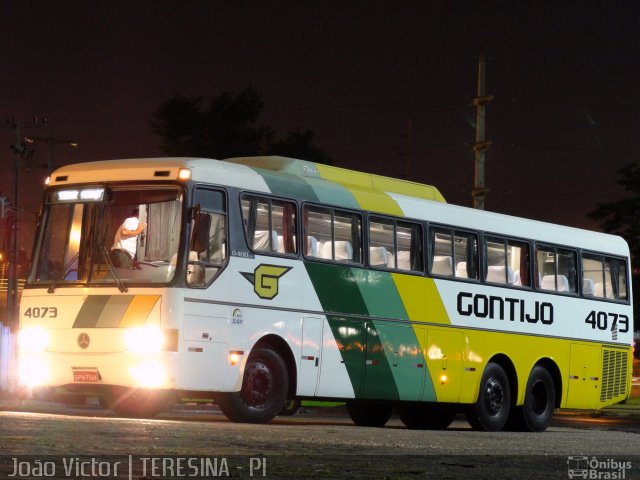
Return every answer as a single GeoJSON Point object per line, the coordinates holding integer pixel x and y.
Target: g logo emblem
{"type": "Point", "coordinates": [83, 340]}
{"type": "Point", "coordinates": [265, 280]}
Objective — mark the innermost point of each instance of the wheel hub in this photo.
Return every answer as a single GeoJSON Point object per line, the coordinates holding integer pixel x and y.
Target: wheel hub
{"type": "Point", "coordinates": [258, 384]}
{"type": "Point", "coordinates": [494, 396]}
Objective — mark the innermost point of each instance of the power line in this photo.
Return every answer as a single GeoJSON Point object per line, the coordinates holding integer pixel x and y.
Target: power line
{"type": "Point", "coordinates": [567, 148]}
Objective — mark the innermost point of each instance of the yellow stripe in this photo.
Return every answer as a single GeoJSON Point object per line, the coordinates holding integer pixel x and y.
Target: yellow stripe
{"type": "Point", "coordinates": [421, 299]}
{"type": "Point", "coordinates": [139, 310]}
{"type": "Point", "coordinates": [360, 186]}
{"type": "Point", "coordinates": [411, 189]}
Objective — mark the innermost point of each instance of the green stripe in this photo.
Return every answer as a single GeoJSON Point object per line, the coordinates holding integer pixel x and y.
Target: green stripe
{"type": "Point", "coordinates": [90, 311]}
{"type": "Point", "coordinates": [288, 186]}
{"type": "Point", "coordinates": [333, 194]}
{"type": "Point", "coordinates": [379, 381]}
{"type": "Point", "coordinates": [407, 363]}
{"type": "Point", "coordinates": [383, 359]}
{"type": "Point", "coordinates": [380, 294]}
{"type": "Point", "coordinates": [336, 288]}
{"type": "Point", "coordinates": [350, 337]}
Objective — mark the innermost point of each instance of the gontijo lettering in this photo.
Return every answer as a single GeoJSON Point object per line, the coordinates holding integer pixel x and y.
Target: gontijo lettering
{"type": "Point", "coordinates": [504, 308]}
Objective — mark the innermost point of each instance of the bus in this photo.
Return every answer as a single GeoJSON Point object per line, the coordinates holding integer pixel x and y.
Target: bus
{"type": "Point", "coordinates": [259, 280]}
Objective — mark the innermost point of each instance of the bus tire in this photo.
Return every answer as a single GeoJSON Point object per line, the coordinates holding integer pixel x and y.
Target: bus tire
{"type": "Point", "coordinates": [491, 412]}
{"type": "Point", "coordinates": [539, 403]}
{"type": "Point", "coordinates": [290, 407]}
{"type": "Point", "coordinates": [365, 414]}
{"type": "Point", "coordinates": [139, 403]}
{"type": "Point", "coordinates": [264, 389]}
{"type": "Point", "coordinates": [424, 417]}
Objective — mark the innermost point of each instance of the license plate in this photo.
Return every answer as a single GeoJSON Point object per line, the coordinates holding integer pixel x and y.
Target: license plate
{"type": "Point", "coordinates": [86, 375]}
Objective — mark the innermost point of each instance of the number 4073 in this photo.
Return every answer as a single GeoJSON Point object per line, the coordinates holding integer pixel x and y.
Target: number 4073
{"type": "Point", "coordinates": [605, 321]}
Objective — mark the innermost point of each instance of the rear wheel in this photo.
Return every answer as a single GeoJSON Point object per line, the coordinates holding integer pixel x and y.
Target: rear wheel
{"type": "Point", "coordinates": [423, 417]}
{"type": "Point", "coordinates": [365, 414]}
{"type": "Point", "coordinates": [539, 402]}
{"type": "Point", "coordinates": [138, 403]}
{"type": "Point", "coordinates": [264, 389]}
{"type": "Point", "coordinates": [491, 411]}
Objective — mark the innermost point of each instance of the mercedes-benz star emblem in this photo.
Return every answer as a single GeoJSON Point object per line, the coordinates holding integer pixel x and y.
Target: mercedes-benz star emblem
{"type": "Point", "coordinates": [83, 340]}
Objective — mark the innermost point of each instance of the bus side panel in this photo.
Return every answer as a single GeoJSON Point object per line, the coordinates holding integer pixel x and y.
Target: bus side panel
{"type": "Point", "coordinates": [584, 376]}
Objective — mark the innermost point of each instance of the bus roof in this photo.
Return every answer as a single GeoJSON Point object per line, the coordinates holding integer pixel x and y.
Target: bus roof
{"type": "Point", "coordinates": [314, 182]}
{"type": "Point", "coordinates": [351, 178]}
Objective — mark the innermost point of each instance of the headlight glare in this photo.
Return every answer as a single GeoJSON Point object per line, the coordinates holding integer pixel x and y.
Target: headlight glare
{"type": "Point", "coordinates": [144, 339]}
{"type": "Point", "coordinates": [33, 339]}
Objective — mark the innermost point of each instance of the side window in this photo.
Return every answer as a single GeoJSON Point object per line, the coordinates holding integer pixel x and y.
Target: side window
{"type": "Point", "coordinates": [395, 244]}
{"type": "Point", "coordinates": [453, 253]}
{"type": "Point", "coordinates": [507, 261]}
{"type": "Point", "coordinates": [332, 234]}
{"type": "Point", "coordinates": [208, 249]}
{"type": "Point", "coordinates": [270, 224]}
{"type": "Point", "coordinates": [441, 261]}
{"type": "Point", "coordinates": [556, 269]}
{"type": "Point", "coordinates": [604, 277]}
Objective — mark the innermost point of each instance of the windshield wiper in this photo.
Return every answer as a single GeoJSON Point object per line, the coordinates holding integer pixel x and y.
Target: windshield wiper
{"type": "Point", "coordinates": [65, 271]}
{"type": "Point", "coordinates": [121, 286]}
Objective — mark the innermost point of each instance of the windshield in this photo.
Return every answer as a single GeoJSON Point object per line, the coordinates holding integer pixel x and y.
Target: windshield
{"type": "Point", "coordinates": [120, 235]}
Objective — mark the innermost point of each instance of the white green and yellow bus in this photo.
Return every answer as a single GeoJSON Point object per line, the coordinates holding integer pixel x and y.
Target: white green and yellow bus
{"type": "Point", "coordinates": [263, 279]}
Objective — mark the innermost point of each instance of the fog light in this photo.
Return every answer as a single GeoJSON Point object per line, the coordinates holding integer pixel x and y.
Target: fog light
{"type": "Point", "coordinates": [443, 379]}
{"type": "Point", "coordinates": [149, 374]}
{"type": "Point", "coordinates": [32, 372]}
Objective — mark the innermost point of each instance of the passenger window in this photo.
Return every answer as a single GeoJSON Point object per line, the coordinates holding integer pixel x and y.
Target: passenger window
{"type": "Point", "coordinates": [395, 244]}
{"type": "Point", "coordinates": [453, 253]}
{"type": "Point", "coordinates": [604, 277]}
{"type": "Point", "coordinates": [556, 269]}
{"type": "Point", "coordinates": [332, 234]}
{"type": "Point", "coordinates": [270, 224]}
{"type": "Point", "coordinates": [507, 261]}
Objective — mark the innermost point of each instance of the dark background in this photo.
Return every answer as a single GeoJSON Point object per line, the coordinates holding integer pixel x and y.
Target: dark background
{"type": "Point", "coordinates": [565, 76]}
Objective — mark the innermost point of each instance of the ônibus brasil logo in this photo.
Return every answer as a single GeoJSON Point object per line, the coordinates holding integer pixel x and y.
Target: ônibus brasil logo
{"type": "Point", "coordinates": [265, 279]}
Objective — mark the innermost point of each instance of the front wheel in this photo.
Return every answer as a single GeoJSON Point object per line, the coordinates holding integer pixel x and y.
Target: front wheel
{"type": "Point", "coordinates": [264, 389]}
{"type": "Point", "coordinates": [491, 412]}
{"type": "Point", "coordinates": [365, 414]}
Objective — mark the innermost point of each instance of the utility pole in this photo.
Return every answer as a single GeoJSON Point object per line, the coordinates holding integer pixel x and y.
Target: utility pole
{"type": "Point", "coordinates": [481, 145]}
{"type": "Point", "coordinates": [51, 142]}
{"type": "Point", "coordinates": [20, 149]}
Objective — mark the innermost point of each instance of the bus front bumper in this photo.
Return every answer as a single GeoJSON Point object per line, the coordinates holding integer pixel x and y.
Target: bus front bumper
{"type": "Point", "coordinates": [118, 369]}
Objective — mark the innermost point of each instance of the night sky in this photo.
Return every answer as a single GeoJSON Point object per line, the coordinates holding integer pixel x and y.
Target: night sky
{"type": "Point", "coordinates": [565, 76]}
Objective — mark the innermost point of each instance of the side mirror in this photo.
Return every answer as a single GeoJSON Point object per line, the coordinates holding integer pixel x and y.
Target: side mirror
{"type": "Point", "coordinates": [200, 234]}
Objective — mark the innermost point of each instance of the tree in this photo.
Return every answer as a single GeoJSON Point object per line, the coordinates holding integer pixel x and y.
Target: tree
{"type": "Point", "coordinates": [298, 144]}
{"type": "Point", "coordinates": [621, 217]}
{"type": "Point", "coordinates": [226, 127]}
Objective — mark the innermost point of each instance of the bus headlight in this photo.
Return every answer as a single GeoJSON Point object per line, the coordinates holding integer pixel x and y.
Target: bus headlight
{"type": "Point", "coordinates": [33, 339]}
{"type": "Point", "coordinates": [144, 339]}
